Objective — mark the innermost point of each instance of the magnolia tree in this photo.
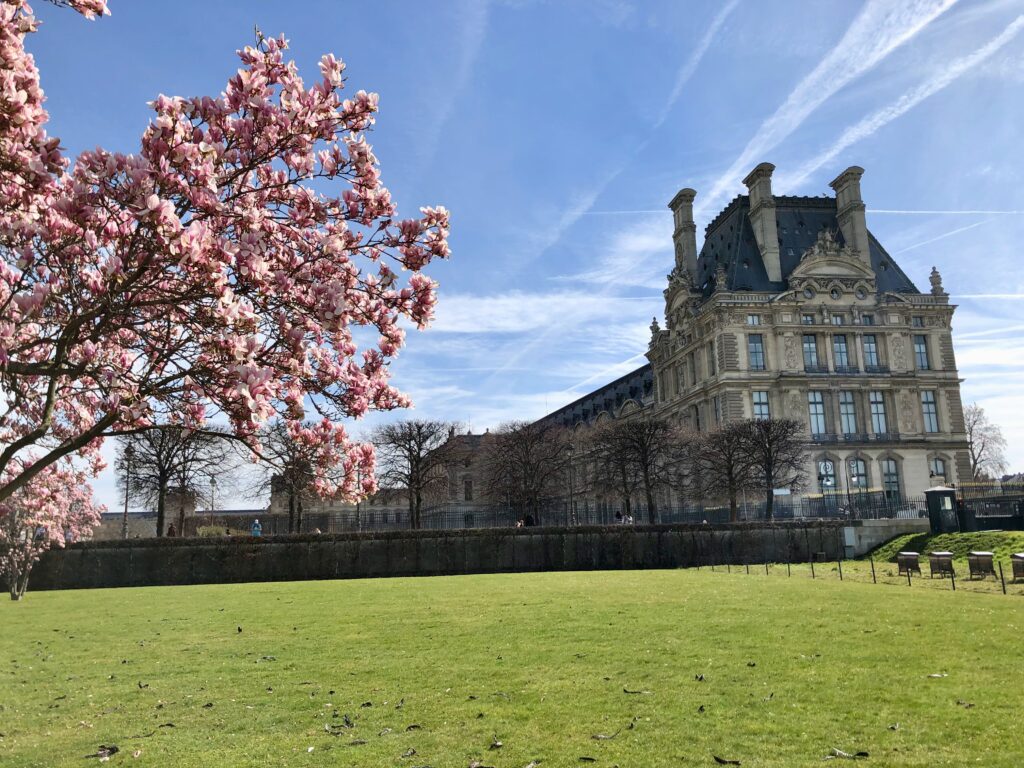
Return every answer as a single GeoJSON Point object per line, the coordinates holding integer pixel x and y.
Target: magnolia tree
{"type": "Point", "coordinates": [55, 508]}
{"type": "Point", "coordinates": [247, 263]}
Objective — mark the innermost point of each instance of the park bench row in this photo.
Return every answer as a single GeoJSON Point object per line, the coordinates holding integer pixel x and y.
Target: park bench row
{"type": "Point", "coordinates": [980, 564]}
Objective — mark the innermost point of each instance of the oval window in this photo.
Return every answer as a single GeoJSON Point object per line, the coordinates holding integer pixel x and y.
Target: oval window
{"type": "Point", "coordinates": [808, 293]}
{"type": "Point", "coordinates": [861, 293]}
{"type": "Point", "coordinates": [835, 293]}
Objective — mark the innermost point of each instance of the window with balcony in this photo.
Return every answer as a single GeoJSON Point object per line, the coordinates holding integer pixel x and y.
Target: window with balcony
{"type": "Point", "coordinates": [878, 420]}
{"type": "Point", "coordinates": [816, 412]}
{"type": "Point", "coordinates": [871, 351]}
{"type": "Point", "coordinates": [838, 320]}
{"type": "Point", "coordinates": [841, 353]}
{"type": "Point", "coordinates": [761, 408]}
{"type": "Point", "coordinates": [755, 351]}
{"type": "Point", "coordinates": [807, 319]}
{"type": "Point", "coordinates": [867, 319]}
{"type": "Point", "coordinates": [929, 412]}
{"type": "Point", "coordinates": [921, 353]}
{"type": "Point", "coordinates": [917, 321]}
{"type": "Point", "coordinates": [810, 350]}
{"type": "Point", "coordinates": [848, 412]}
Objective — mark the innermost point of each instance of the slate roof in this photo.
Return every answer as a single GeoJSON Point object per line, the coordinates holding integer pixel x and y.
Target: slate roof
{"type": "Point", "coordinates": [729, 240]}
{"type": "Point", "coordinates": [636, 385]}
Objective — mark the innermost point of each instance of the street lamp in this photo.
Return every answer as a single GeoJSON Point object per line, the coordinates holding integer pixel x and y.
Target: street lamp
{"type": "Point", "coordinates": [129, 454]}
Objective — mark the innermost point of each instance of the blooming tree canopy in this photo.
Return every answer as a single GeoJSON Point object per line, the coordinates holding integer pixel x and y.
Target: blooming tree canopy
{"type": "Point", "coordinates": [54, 508]}
{"type": "Point", "coordinates": [247, 263]}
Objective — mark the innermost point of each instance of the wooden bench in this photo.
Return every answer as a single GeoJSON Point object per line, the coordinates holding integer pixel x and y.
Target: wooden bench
{"type": "Point", "coordinates": [981, 564]}
{"type": "Point", "coordinates": [908, 562]}
{"type": "Point", "coordinates": [940, 563]}
{"type": "Point", "coordinates": [1017, 561]}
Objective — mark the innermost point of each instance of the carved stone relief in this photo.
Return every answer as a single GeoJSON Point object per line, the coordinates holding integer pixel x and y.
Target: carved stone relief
{"type": "Point", "coordinates": [908, 415]}
{"type": "Point", "coordinates": [791, 353]}
{"type": "Point", "coordinates": [899, 358]}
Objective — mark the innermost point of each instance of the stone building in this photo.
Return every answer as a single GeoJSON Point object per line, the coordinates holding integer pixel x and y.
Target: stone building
{"type": "Point", "coordinates": [792, 308]}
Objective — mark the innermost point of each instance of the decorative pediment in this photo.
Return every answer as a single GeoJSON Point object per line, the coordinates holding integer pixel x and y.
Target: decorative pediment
{"type": "Point", "coordinates": [680, 282]}
{"type": "Point", "coordinates": [827, 258]}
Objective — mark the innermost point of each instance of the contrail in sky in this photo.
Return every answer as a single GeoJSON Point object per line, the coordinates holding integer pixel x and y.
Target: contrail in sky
{"type": "Point", "coordinates": [906, 102]}
{"type": "Point", "coordinates": [879, 29]}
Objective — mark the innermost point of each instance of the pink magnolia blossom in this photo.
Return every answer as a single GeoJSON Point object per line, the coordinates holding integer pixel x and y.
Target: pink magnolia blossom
{"type": "Point", "coordinates": [222, 270]}
{"type": "Point", "coordinates": [55, 508]}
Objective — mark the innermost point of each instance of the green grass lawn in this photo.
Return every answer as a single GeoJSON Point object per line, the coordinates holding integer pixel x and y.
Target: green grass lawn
{"type": "Point", "coordinates": [792, 667]}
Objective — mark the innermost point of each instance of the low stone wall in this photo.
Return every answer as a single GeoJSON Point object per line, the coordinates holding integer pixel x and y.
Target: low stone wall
{"type": "Point", "coordinates": [862, 536]}
{"type": "Point", "coordinates": [150, 562]}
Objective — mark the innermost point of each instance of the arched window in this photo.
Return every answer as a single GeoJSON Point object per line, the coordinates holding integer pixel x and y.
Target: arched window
{"type": "Point", "coordinates": [891, 479]}
{"type": "Point", "coordinates": [858, 470]}
{"type": "Point", "coordinates": [826, 474]}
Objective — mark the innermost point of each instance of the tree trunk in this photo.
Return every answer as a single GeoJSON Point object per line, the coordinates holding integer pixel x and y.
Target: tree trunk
{"type": "Point", "coordinates": [161, 505]}
{"type": "Point", "coordinates": [769, 503]}
{"type": "Point", "coordinates": [298, 515]}
{"type": "Point", "coordinates": [419, 509]}
{"type": "Point", "coordinates": [291, 509]}
{"type": "Point", "coordinates": [652, 511]}
{"type": "Point", "coordinates": [733, 513]}
{"type": "Point", "coordinates": [19, 583]}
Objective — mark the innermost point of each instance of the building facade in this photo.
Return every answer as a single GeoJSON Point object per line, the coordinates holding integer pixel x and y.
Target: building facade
{"type": "Point", "coordinates": [793, 309]}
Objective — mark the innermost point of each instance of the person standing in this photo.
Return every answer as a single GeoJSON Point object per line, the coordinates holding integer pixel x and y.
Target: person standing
{"type": "Point", "coordinates": [257, 529]}
{"type": "Point", "coordinates": [171, 531]}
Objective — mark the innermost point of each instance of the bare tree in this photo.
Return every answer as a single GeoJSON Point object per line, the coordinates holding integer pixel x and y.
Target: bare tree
{"type": "Point", "coordinates": [527, 463]}
{"type": "Point", "coordinates": [287, 467]}
{"type": "Point", "coordinates": [172, 458]}
{"type": "Point", "coordinates": [638, 455]}
{"type": "Point", "coordinates": [778, 455]}
{"type": "Point", "coordinates": [412, 455]}
{"type": "Point", "coordinates": [985, 442]}
{"type": "Point", "coordinates": [725, 463]}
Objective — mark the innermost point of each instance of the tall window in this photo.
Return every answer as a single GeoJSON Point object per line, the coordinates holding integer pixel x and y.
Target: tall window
{"type": "Point", "coordinates": [693, 368]}
{"type": "Point", "coordinates": [755, 351]}
{"type": "Point", "coordinates": [695, 412]}
{"type": "Point", "coordinates": [858, 473]}
{"type": "Point", "coordinates": [761, 407]}
{"type": "Point", "coordinates": [711, 359]}
{"type": "Point", "coordinates": [827, 474]}
{"type": "Point", "coordinates": [810, 350]}
{"type": "Point", "coordinates": [870, 349]}
{"type": "Point", "coordinates": [891, 479]}
{"type": "Point", "coordinates": [878, 423]}
{"type": "Point", "coordinates": [929, 411]}
{"type": "Point", "coordinates": [848, 412]}
{"type": "Point", "coordinates": [921, 353]}
{"type": "Point", "coordinates": [816, 411]}
{"type": "Point", "coordinates": [718, 409]}
{"type": "Point", "coordinates": [937, 467]}
{"type": "Point", "coordinates": [839, 350]}
{"type": "Point", "coordinates": [467, 489]}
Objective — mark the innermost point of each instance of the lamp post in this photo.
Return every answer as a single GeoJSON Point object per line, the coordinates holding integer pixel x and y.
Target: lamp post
{"type": "Point", "coordinates": [129, 454]}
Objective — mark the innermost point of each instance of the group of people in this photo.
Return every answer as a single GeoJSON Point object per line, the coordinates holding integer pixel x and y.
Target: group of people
{"type": "Point", "coordinates": [623, 519]}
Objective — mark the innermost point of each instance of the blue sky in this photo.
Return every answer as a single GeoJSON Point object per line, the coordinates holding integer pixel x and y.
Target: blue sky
{"type": "Point", "coordinates": [556, 132]}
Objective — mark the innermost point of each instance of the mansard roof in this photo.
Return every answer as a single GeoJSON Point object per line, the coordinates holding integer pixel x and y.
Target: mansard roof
{"type": "Point", "coordinates": [729, 241]}
{"type": "Point", "coordinates": [637, 385]}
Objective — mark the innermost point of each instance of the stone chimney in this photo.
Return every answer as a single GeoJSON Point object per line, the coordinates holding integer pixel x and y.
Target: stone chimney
{"type": "Point", "coordinates": [850, 210]}
{"type": "Point", "coordinates": [762, 218]}
{"type": "Point", "coordinates": [684, 233]}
